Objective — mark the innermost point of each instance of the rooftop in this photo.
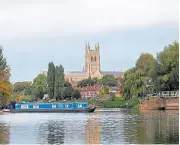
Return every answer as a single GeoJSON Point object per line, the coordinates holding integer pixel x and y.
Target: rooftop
{"type": "Point", "coordinates": [114, 73]}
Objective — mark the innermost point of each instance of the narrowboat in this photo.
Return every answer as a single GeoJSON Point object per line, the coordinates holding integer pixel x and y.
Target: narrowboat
{"type": "Point", "coordinates": [53, 107]}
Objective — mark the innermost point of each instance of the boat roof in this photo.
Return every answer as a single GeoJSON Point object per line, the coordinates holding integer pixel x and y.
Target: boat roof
{"type": "Point", "coordinates": [51, 102]}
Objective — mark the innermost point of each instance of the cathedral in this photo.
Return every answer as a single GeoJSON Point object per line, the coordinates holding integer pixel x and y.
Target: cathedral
{"type": "Point", "coordinates": [92, 67]}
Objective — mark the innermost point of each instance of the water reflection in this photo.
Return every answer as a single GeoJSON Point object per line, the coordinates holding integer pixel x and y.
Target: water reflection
{"type": "Point", "coordinates": [102, 127]}
{"type": "Point", "coordinates": [112, 128]}
{"type": "Point", "coordinates": [56, 132]}
{"type": "Point", "coordinates": [4, 133]}
{"type": "Point", "coordinates": [51, 132]}
{"type": "Point", "coordinates": [93, 129]}
{"type": "Point", "coordinates": [157, 127]}
{"type": "Point", "coordinates": [62, 129]}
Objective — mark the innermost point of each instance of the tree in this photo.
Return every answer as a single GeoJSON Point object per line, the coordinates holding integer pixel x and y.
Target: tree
{"type": "Point", "coordinates": [68, 92]}
{"type": "Point", "coordinates": [5, 91]}
{"type": "Point", "coordinates": [104, 91]}
{"type": "Point", "coordinates": [138, 78]}
{"type": "Point", "coordinates": [129, 83]}
{"type": "Point", "coordinates": [86, 82]}
{"type": "Point", "coordinates": [162, 73]}
{"type": "Point", "coordinates": [112, 95]}
{"type": "Point", "coordinates": [3, 64]}
{"type": "Point", "coordinates": [5, 86]}
{"type": "Point", "coordinates": [51, 79]}
{"type": "Point", "coordinates": [26, 98]}
{"type": "Point", "coordinates": [40, 86]}
{"type": "Point", "coordinates": [145, 63]}
{"type": "Point", "coordinates": [75, 94]}
{"type": "Point", "coordinates": [166, 70]}
{"type": "Point", "coordinates": [24, 88]}
{"type": "Point", "coordinates": [59, 83]}
{"type": "Point", "coordinates": [5, 74]}
{"type": "Point", "coordinates": [108, 80]}
{"type": "Point", "coordinates": [67, 84]}
{"type": "Point", "coordinates": [120, 80]}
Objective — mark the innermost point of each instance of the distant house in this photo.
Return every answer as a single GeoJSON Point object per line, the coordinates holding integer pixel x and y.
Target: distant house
{"type": "Point", "coordinates": [115, 90]}
{"type": "Point", "coordinates": [89, 91]}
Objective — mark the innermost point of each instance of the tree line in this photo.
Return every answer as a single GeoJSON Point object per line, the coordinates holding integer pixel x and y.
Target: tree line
{"type": "Point", "coordinates": [53, 84]}
{"type": "Point", "coordinates": [153, 74]}
{"type": "Point", "coordinates": [58, 88]}
{"type": "Point", "coordinates": [106, 80]}
{"type": "Point", "coordinates": [149, 75]}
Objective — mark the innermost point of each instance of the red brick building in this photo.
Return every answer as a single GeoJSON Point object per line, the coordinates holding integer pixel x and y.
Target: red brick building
{"type": "Point", "coordinates": [115, 90]}
{"type": "Point", "coordinates": [89, 91]}
{"type": "Point", "coordinates": [93, 91]}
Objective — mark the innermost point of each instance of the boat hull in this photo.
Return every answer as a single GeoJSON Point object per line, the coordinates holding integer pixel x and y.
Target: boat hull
{"type": "Point", "coordinates": [91, 109]}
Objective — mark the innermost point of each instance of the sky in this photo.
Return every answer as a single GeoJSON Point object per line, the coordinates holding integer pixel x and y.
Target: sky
{"type": "Point", "coordinates": [35, 32]}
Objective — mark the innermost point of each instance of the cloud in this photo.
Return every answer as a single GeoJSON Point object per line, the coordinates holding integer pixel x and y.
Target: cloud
{"type": "Point", "coordinates": [60, 18]}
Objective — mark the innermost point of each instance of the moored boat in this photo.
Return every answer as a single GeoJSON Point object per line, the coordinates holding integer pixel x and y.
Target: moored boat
{"type": "Point", "coordinates": [53, 107]}
{"type": "Point", "coordinates": [5, 110]}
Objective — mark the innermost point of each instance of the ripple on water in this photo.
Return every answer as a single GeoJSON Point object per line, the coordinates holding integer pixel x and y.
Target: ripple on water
{"type": "Point", "coordinates": [102, 127]}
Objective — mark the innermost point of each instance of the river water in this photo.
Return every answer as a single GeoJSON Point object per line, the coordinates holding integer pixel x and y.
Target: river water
{"type": "Point", "coordinates": [106, 126]}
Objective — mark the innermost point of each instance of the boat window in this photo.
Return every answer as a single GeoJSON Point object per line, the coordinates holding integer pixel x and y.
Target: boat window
{"type": "Point", "coordinates": [59, 106]}
{"type": "Point", "coordinates": [79, 105]}
{"type": "Point", "coordinates": [36, 106]}
{"type": "Point", "coordinates": [53, 105]}
{"type": "Point", "coordinates": [24, 106]}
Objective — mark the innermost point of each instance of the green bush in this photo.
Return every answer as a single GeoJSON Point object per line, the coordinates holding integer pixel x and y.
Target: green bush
{"type": "Point", "coordinates": [119, 103]}
{"type": "Point", "coordinates": [27, 98]}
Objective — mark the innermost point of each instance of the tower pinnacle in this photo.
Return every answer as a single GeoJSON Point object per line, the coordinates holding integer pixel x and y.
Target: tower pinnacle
{"type": "Point", "coordinates": [97, 46]}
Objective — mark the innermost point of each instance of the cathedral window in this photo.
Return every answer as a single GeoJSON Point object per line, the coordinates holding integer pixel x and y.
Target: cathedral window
{"type": "Point", "coordinates": [95, 58]}
{"type": "Point", "coordinates": [91, 58]}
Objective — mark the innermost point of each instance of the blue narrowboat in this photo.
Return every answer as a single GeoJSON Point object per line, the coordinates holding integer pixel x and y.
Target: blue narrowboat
{"type": "Point", "coordinates": [53, 107]}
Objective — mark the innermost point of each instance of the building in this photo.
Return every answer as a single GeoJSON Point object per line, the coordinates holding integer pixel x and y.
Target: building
{"type": "Point", "coordinates": [89, 91]}
{"type": "Point", "coordinates": [92, 67]}
{"type": "Point", "coordinates": [115, 90]}
{"type": "Point", "coordinates": [93, 91]}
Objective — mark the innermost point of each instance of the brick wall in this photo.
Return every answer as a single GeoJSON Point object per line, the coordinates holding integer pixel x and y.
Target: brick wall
{"type": "Point", "coordinates": [157, 103]}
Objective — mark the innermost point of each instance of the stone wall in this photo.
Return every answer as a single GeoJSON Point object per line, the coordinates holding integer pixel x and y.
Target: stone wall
{"type": "Point", "coordinates": [159, 103]}
{"type": "Point", "coordinates": [172, 103]}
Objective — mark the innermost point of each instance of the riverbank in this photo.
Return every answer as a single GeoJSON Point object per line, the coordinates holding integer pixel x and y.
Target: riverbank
{"type": "Point", "coordinates": [117, 103]}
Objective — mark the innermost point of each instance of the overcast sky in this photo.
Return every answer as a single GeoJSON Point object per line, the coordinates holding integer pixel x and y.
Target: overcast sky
{"type": "Point", "coordinates": [34, 32]}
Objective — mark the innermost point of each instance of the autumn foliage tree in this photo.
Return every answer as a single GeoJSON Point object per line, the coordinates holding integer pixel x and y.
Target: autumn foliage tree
{"type": "Point", "coordinates": [5, 86]}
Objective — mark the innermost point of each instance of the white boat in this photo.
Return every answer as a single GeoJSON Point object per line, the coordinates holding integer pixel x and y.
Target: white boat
{"type": "Point", "coordinates": [5, 110]}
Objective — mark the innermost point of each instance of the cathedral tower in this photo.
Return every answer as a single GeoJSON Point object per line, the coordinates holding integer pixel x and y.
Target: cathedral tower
{"type": "Point", "coordinates": [92, 61]}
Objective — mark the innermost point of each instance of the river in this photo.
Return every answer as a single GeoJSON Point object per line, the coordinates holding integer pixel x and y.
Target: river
{"type": "Point", "coordinates": [105, 126]}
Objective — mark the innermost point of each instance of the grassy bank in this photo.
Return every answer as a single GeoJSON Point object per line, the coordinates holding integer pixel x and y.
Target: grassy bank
{"type": "Point", "coordinates": [118, 103]}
